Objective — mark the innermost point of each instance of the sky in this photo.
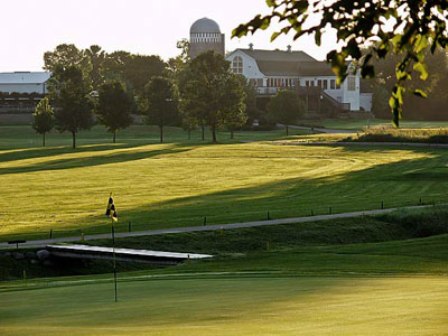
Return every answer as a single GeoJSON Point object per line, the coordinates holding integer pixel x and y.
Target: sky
{"type": "Point", "coordinates": [148, 27]}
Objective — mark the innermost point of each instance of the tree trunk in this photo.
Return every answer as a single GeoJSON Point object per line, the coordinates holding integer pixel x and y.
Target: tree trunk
{"type": "Point", "coordinates": [161, 133]}
{"type": "Point", "coordinates": [43, 139]}
{"type": "Point", "coordinates": [115, 136]}
{"type": "Point", "coordinates": [203, 132]}
{"type": "Point", "coordinates": [214, 134]}
{"type": "Point", "coordinates": [287, 129]}
{"type": "Point", "coordinates": [231, 134]}
{"type": "Point", "coordinates": [74, 139]}
{"type": "Point", "coordinates": [189, 134]}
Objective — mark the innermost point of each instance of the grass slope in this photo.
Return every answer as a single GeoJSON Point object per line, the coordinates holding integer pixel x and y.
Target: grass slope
{"type": "Point", "coordinates": [177, 184]}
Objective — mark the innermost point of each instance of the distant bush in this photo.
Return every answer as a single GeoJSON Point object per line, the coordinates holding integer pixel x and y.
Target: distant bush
{"type": "Point", "coordinates": [429, 222]}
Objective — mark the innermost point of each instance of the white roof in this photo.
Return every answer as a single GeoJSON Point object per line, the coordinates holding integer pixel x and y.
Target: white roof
{"type": "Point", "coordinates": [38, 77]}
{"type": "Point", "coordinates": [122, 251]}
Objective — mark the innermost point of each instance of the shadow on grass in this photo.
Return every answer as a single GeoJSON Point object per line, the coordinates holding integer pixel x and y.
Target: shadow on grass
{"type": "Point", "coordinates": [97, 160]}
{"type": "Point", "coordinates": [389, 185]}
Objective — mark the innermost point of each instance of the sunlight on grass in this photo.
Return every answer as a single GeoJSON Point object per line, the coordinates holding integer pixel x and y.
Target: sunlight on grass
{"type": "Point", "coordinates": [166, 185]}
{"type": "Point", "coordinates": [233, 306]}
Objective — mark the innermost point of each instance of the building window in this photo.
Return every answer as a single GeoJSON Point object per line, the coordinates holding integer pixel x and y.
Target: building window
{"type": "Point", "coordinates": [319, 83]}
{"type": "Point", "coordinates": [237, 65]}
{"type": "Point", "coordinates": [332, 84]}
{"type": "Point", "coordinates": [351, 83]}
{"type": "Point", "coordinates": [325, 87]}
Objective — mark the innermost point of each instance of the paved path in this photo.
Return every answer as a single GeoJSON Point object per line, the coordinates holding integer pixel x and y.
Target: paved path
{"type": "Point", "coordinates": [45, 242]}
{"type": "Point", "coordinates": [372, 144]}
{"type": "Point", "coordinates": [320, 129]}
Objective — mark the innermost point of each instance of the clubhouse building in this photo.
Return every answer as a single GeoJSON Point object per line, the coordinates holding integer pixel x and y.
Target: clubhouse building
{"type": "Point", "coordinates": [272, 70]}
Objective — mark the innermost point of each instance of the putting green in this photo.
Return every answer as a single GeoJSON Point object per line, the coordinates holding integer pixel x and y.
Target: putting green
{"type": "Point", "coordinates": [233, 306]}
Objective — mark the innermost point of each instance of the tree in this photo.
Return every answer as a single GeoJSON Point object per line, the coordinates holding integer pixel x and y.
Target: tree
{"type": "Point", "coordinates": [210, 93]}
{"type": "Point", "coordinates": [252, 111]}
{"type": "Point", "coordinates": [236, 117]}
{"type": "Point", "coordinates": [161, 99]}
{"type": "Point", "coordinates": [70, 91]}
{"type": "Point", "coordinates": [43, 121]}
{"type": "Point", "coordinates": [96, 57]}
{"type": "Point", "coordinates": [114, 107]}
{"type": "Point", "coordinates": [64, 56]}
{"type": "Point", "coordinates": [286, 108]}
{"type": "Point", "coordinates": [139, 69]}
{"type": "Point", "coordinates": [114, 66]}
{"type": "Point", "coordinates": [407, 28]}
{"type": "Point", "coordinates": [176, 64]}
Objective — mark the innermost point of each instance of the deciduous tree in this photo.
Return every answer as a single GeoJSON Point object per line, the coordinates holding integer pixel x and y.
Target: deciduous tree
{"type": "Point", "coordinates": [70, 92]}
{"type": "Point", "coordinates": [64, 56]}
{"type": "Point", "coordinates": [210, 93]}
{"type": "Point", "coordinates": [96, 57]}
{"type": "Point", "coordinates": [43, 121]}
{"type": "Point", "coordinates": [114, 107]}
{"type": "Point", "coordinates": [161, 97]}
{"type": "Point", "coordinates": [286, 108]}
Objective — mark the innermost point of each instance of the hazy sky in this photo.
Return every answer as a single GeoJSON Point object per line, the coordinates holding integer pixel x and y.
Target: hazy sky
{"type": "Point", "coordinates": [31, 27]}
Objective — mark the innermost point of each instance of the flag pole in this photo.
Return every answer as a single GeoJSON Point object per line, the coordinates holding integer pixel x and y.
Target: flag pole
{"type": "Point", "coordinates": [112, 213]}
{"type": "Point", "coordinates": [114, 261]}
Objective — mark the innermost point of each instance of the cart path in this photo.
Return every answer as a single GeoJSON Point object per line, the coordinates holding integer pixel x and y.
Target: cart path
{"type": "Point", "coordinates": [44, 242]}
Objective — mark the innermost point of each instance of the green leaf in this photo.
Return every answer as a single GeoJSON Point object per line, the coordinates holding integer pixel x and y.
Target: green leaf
{"type": "Point", "coordinates": [421, 43]}
{"type": "Point", "coordinates": [420, 93]}
{"type": "Point", "coordinates": [420, 67]}
{"type": "Point", "coordinates": [271, 3]}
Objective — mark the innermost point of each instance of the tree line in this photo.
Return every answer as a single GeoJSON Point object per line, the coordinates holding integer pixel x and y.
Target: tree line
{"type": "Point", "coordinates": [88, 86]}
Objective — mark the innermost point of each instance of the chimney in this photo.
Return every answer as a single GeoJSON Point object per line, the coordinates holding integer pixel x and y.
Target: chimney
{"type": "Point", "coordinates": [289, 48]}
{"type": "Point", "coordinates": [251, 46]}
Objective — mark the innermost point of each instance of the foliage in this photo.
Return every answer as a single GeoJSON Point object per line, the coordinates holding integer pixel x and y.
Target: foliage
{"type": "Point", "coordinates": [286, 108]}
{"type": "Point", "coordinates": [70, 91]}
{"type": "Point", "coordinates": [435, 87]}
{"type": "Point", "coordinates": [96, 57]}
{"type": "Point", "coordinates": [406, 28]}
{"type": "Point", "coordinates": [114, 107]}
{"type": "Point", "coordinates": [252, 111]}
{"type": "Point", "coordinates": [64, 56]}
{"type": "Point", "coordinates": [115, 65]}
{"type": "Point", "coordinates": [161, 97]}
{"type": "Point", "coordinates": [43, 121]}
{"type": "Point", "coordinates": [139, 69]}
{"type": "Point", "coordinates": [176, 64]}
{"type": "Point", "coordinates": [210, 93]}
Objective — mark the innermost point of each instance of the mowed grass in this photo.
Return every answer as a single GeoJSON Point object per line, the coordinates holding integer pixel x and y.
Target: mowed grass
{"type": "Point", "coordinates": [393, 288]}
{"type": "Point", "coordinates": [179, 183]}
{"type": "Point", "coordinates": [240, 306]}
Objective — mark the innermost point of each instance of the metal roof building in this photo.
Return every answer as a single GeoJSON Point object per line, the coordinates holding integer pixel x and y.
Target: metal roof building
{"type": "Point", "coordinates": [24, 82]}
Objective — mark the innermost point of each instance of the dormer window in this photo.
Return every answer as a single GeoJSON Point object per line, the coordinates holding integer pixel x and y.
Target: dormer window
{"type": "Point", "coordinates": [237, 65]}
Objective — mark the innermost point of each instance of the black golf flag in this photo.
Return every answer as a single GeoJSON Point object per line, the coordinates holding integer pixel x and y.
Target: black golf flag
{"type": "Point", "coordinates": [110, 210]}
